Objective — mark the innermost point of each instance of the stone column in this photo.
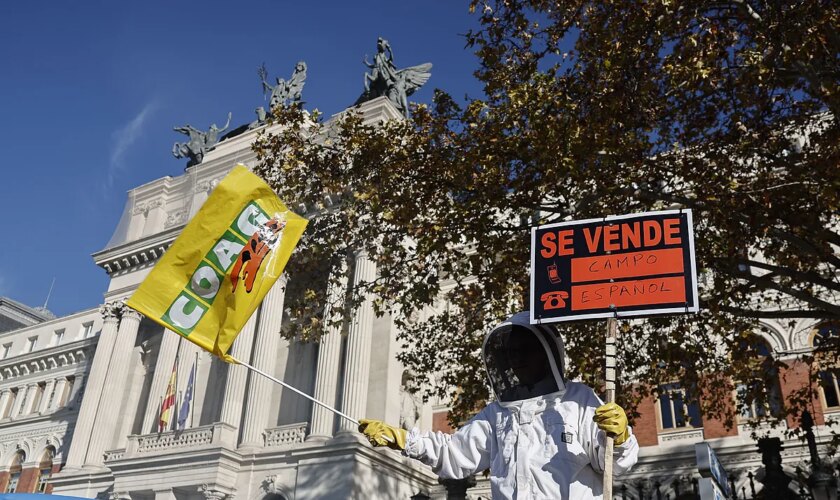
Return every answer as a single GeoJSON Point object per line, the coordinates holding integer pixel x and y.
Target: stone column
{"type": "Point", "coordinates": [236, 375]}
{"type": "Point", "coordinates": [60, 389]}
{"type": "Point", "coordinates": [115, 390]}
{"type": "Point", "coordinates": [357, 366]}
{"type": "Point", "coordinates": [16, 404]}
{"type": "Point", "coordinates": [4, 400]}
{"type": "Point", "coordinates": [166, 494]}
{"type": "Point", "coordinates": [265, 359]}
{"type": "Point", "coordinates": [46, 397]}
{"type": "Point", "coordinates": [75, 391]}
{"type": "Point", "coordinates": [31, 394]}
{"type": "Point", "coordinates": [163, 369]}
{"type": "Point", "coordinates": [87, 412]}
{"type": "Point", "coordinates": [329, 359]}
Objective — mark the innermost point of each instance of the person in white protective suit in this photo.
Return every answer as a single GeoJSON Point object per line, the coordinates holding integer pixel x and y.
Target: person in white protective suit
{"type": "Point", "coordinates": [543, 437]}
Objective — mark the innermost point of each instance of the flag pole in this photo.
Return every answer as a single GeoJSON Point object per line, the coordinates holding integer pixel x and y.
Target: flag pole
{"type": "Point", "coordinates": [609, 386]}
{"type": "Point", "coordinates": [160, 415]}
{"type": "Point", "coordinates": [287, 386]}
{"type": "Point", "coordinates": [178, 401]}
{"type": "Point", "coordinates": [195, 384]}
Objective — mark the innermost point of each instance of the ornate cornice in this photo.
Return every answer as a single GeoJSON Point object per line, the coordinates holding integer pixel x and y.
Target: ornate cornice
{"type": "Point", "coordinates": [207, 185]}
{"type": "Point", "coordinates": [176, 218]}
{"type": "Point", "coordinates": [48, 359]}
{"type": "Point", "coordinates": [145, 208]}
{"type": "Point", "coordinates": [213, 492]}
{"type": "Point", "coordinates": [137, 253]}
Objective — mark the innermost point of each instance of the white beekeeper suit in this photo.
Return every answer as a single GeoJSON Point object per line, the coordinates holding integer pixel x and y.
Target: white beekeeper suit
{"type": "Point", "coordinates": [538, 438]}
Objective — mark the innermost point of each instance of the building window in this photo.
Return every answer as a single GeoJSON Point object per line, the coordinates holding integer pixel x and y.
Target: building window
{"type": "Point", "coordinates": [14, 471]}
{"type": "Point", "coordinates": [58, 337]}
{"type": "Point", "coordinates": [826, 340]}
{"type": "Point", "coordinates": [6, 349]}
{"type": "Point", "coordinates": [30, 344]}
{"type": "Point", "coordinates": [677, 408]}
{"type": "Point", "coordinates": [87, 330]}
{"type": "Point", "coordinates": [760, 396]}
{"type": "Point", "coordinates": [45, 469]}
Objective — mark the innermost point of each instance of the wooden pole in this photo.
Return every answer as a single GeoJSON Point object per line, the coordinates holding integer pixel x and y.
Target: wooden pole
{"type": "Point", "coordinates": [609, 386]}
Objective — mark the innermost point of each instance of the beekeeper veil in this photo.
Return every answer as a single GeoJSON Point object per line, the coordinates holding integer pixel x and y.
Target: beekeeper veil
{"type": "Point", "coordinates": [522, 360]}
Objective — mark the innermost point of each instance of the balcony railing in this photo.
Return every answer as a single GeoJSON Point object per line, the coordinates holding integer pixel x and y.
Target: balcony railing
{"type": "Point", "coordinates": [214, 435]}
{"type": "Point", "coordinates": [285, 435]}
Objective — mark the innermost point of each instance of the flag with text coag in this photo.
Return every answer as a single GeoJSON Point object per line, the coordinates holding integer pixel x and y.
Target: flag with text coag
{"type": "Point", "coordinates": [218, 270]}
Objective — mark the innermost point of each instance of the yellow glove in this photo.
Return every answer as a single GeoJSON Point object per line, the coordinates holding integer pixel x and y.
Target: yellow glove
{"type": "Point", "coordinates": [612, 420]}
{"type": "Point", "coordinates": [381, 434]}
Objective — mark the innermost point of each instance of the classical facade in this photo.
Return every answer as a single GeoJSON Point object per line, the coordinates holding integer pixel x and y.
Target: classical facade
{"type": "Point", "coordinates": [43, 370]}
{"type": "Point", "coordinates": [245, 437]}
{"type": "Point", "coordinates": [80, 395]}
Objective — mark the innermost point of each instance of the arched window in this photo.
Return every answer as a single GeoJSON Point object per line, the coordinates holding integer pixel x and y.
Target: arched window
{"type": "Point", "coordinates": [826, 340]}
{"type": "Point", "coordinates": [14, 471]}
{"type": "Point", "coordinates": [760, 396]}
{"type": "Point", "coordinates": [45, 469]}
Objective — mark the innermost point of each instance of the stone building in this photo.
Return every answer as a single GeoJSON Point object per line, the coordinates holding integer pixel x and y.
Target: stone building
{"type": "Point", "coordinates": [43, 368]}
{"type": "Point", "coordinates": [80, 395]}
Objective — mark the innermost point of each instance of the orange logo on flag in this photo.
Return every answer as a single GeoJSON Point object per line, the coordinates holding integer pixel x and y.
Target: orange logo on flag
{"type": "Point", "coordinates": [252, 255]}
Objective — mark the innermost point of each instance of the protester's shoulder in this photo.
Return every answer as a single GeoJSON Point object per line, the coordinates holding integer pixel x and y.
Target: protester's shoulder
{"type": "Point", "coordinates": [581, 393]}
{"type": "Point", "coordinates": [489, 412]}
{"type": "Point", "coordinates": [484, 419]}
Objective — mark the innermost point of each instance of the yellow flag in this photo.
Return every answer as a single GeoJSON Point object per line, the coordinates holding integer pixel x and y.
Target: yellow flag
{"type": "Point", "coordinates": [218, 270]}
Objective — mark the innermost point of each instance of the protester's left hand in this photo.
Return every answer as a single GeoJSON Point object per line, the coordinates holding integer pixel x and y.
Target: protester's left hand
{"type": "Point", "coordinates": [381, 434]}
{"type": "Point", "coordinates": [612, 420]}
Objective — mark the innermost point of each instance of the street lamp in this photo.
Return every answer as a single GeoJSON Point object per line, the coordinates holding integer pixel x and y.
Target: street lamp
{"type": "Point", "coordinates": [821, 482]}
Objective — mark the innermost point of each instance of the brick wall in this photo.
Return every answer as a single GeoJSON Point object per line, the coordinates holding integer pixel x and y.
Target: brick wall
{"type": "Point", "coordinates": [792, 378]}
{"type": "Point", "coordinates": [28, 480]}
{"type": "Point", "coordinates": [4, 481]}
{"type": "Point", "coordinates": [440, 423]}
{"type": "Point", "coordinates": [715, 427]}
{"type": "Point", "coordinates": [55, 469]}
{"type": "Point", "coordinates": [644, 426]}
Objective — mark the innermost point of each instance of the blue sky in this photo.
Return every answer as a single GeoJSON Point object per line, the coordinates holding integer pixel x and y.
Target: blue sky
{"type": "Point", "coordinates": [90, 91]}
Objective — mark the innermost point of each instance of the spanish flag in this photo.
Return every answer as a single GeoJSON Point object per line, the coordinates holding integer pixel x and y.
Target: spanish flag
{"type": "Point", "coordinates": [166, 406]}
{"type": "Point", "coordinates": [216, 273]}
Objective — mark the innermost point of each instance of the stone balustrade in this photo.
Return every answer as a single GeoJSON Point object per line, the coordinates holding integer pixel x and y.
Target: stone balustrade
{"type": "Point", "coordinates": [285, 435]}
{"type": "Point", "coordinates": [215, 435]}
{"type": "Point", "coordinates": [114, 454]}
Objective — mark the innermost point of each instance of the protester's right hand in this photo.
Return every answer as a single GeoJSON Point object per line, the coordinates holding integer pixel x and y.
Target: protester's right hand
{"type": "Point", "coordinates": [612, 420]}
{"type": "Point", "coordinates": [381, 434]}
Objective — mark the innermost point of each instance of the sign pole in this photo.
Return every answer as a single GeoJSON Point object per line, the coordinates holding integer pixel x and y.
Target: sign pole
{"type": "Point", "coordinates": [609, 385]}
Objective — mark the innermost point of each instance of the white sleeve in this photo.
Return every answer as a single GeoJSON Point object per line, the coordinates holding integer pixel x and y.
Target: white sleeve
{"type": "Point", "coordinates": [453, 456]}
{"type": "Point", "coordinates": [624, 456]}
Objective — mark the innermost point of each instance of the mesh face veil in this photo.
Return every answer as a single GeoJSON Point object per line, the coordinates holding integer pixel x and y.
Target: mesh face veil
{"type": "Point", "coordinates": [522, 360]}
